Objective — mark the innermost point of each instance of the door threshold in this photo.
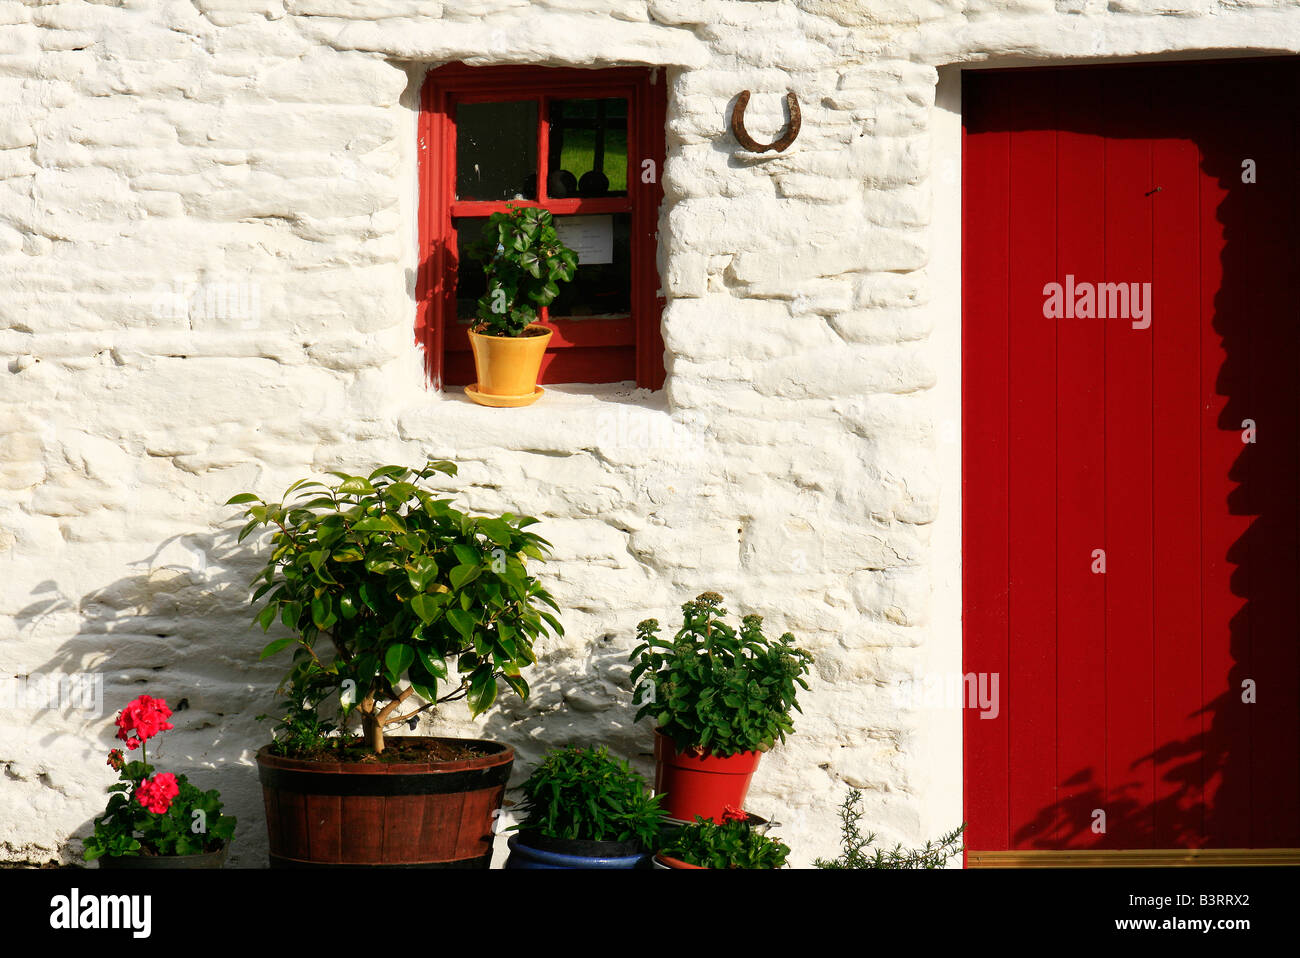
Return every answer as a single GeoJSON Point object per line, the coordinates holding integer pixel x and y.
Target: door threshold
{"type": "Point", "coordinates": [1133, 858]}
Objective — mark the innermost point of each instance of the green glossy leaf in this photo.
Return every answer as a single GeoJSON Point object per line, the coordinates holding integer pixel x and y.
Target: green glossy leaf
{"type": "Point", "coordinates": [267, 616]}
{"type": "Point", "coordinates": [463, 574]}
{"type": "Point", "coordinates": [276, 646]}
{"type": "Point", "coordinates": [482, 690]}
{"type": "Point", "coordinates": [462, 622]}
{"type": "Point", "coordinates": [398, 659]}
{"type": "Point", "coordinates": [425, 607]}
{"type": "Point", "coordinates": [433, 665]}
{"type": "Point", "coordinates": [355, 485]}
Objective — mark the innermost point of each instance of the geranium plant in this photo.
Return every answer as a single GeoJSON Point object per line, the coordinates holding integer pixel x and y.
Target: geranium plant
{"type": "Point", "coordinates": [716, 688]}
{"type": "Point", "coordinates": [151, 812]}
{"type": "Point", "coordinates": [384, 585]}
{"type": "Point", "coordinates": [524, 262]}
{"type": "Point", "coordinates": [586, 794]}
{"type": "Point", "coordinates": [731, 843]}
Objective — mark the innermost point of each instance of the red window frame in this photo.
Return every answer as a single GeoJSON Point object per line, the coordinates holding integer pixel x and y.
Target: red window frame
{"type": "Point", "coordinates": [580, 351]}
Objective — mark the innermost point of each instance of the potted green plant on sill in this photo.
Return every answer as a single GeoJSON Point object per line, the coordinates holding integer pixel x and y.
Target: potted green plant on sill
{"type": "Point", "coordinates": [721, 696]}
{"type": "Point", "coordinates": [385, 587]}
{"type": "Point", "coordinates": [733, 842]}
{"type": "Point", "coordinates": [156, 819]}
{"type": "Point", "coordinates": [585, 809]}
{"type": "Point", "coordinates": [524, 262]}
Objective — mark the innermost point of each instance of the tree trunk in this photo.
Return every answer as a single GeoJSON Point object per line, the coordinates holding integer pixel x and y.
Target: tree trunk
{"type": "Point", "coordinates": [372, 728]}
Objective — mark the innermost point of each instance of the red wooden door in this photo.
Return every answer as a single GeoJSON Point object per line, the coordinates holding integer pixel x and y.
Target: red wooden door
{"type": "Point", "coordinates": [1130, 519]}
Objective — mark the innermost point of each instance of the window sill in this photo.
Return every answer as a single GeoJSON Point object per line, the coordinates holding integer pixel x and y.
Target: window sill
{"type": "Point", "coordinates": [604, 418]}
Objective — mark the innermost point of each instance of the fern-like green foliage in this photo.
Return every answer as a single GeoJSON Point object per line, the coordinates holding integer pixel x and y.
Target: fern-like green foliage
{"type": "Point", "coordinates": [856, 849]}
{"type": "Point", "coordinates": [731, 843]}
{"type": "Point", "coordinates": [587, 794]}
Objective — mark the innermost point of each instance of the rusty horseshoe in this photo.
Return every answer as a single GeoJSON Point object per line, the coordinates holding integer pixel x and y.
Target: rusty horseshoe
{"type": "Point", "coordinates": [752, 145]}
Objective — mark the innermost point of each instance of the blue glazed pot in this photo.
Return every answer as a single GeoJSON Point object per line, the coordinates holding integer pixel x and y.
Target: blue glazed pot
{"type": "Point", "coordinates": [562, 853]}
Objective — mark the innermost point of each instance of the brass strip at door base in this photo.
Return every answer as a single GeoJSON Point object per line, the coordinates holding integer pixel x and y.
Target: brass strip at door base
{"type": "Point", "coordinates": [1133, 858]}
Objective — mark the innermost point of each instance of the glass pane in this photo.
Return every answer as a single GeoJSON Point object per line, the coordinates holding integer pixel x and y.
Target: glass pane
{"type": "Point", "coordinates": [496, 151]}
{"type": "Point", "coordinates": [602, 285]}
{"type": "Point", "coordinates": [470, 281]}
{"type": "Point", "coordinates": [588, 148]}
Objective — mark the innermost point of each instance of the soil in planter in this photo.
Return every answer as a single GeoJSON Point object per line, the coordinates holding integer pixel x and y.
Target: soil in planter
{"type": "Point", "coordinates": [395, 751]}
{"type": "Point", "coordinates": [528, 331]}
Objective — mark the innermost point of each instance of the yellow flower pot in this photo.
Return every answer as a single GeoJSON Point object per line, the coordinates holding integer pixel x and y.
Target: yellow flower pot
{"type": "Point", "coordinates": [507, 367]}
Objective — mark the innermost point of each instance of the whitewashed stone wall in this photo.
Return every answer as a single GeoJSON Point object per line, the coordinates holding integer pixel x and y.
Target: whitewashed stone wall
{"type": "Point", "coordinates": [207, 255]}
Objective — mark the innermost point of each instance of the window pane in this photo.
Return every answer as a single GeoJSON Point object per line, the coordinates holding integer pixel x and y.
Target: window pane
{"type": "Point", "coordinates": [588, 148]}
{"type": "Point", "coordinates": [471, 284]}
{"type": "Point", "coordinates": [496, 151]}
{"type": "Point", "coordinates": [602, 285]}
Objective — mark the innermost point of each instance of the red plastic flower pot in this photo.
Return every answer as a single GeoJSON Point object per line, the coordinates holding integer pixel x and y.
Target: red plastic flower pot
{"type": "Point", "coordinates": [700, 784]}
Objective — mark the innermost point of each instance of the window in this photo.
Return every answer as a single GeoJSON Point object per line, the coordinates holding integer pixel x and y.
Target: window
{"type": "Point", "coordinates": [588, 146]}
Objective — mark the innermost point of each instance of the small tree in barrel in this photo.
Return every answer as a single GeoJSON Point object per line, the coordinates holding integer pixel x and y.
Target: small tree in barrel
{"type": "Point", "coordinates": [385, 587]}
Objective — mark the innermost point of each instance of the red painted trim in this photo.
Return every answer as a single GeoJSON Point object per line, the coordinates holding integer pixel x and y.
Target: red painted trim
{"type": "Point", "coordinates": [598, 350]}
{"type": "Point", "coordinates": [577, 204]}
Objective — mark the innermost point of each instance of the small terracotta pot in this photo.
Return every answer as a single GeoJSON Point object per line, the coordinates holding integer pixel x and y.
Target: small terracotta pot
{"type": "Point", "coordinates": [213, 859]}
{"type": "Point", "coordinates": [507, 367]}
{"type": "Point", "coordinates": [693, 784]}
{"type": "Point", "coordinates": [663, 861]}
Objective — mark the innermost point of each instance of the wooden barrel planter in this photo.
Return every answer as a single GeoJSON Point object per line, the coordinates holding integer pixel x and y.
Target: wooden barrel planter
{"type": "Point", "coordinates": [401, 814]}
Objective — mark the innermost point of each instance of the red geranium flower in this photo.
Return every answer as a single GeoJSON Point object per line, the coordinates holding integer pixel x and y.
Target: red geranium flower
{"type": "Point", "coordinates": [116, 758]}
{"type": "Point", "coordinates": [147, 717]}
{"type": "Point", "coordinates": [730, 813]}
{"type": "Point", "coordinates": [156, 793]}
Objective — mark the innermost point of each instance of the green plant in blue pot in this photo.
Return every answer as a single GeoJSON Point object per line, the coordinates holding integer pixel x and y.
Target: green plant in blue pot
{"type": "Point", "coordinates": [584, 808]}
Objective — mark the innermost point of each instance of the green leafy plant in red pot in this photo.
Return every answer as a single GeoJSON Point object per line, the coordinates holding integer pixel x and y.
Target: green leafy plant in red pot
{"type": "Point", "coordinates": [730, 843]}
{"type": "Point", "coordinates": [722, 697]}
{"type": "Point", "coordinates": [385, 587]}
{"type": "Point", "coordinates": [156, 819]}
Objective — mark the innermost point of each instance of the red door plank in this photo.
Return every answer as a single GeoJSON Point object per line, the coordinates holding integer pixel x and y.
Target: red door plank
{"type": "Point", "coordinates": [1175, 442]}
{"type": "Point", "coordinates": [1267, 495]}
{"type": "Point", "coordinates": [1129, 627]}
{"type": "Point", "coordinates": [1081, 452]}
{"type": "Point", "coordinates": [1224, 382]}
{"type": "Point", "coordinates": [986, 192]}
{"type": "Point", "coordinates": [1030, 679]}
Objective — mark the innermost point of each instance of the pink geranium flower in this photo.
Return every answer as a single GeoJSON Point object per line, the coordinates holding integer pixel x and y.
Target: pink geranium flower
{"type": "Point", "coordinates": [147, 717]}
{"type": "Point", "coordinates": [156, 793]}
